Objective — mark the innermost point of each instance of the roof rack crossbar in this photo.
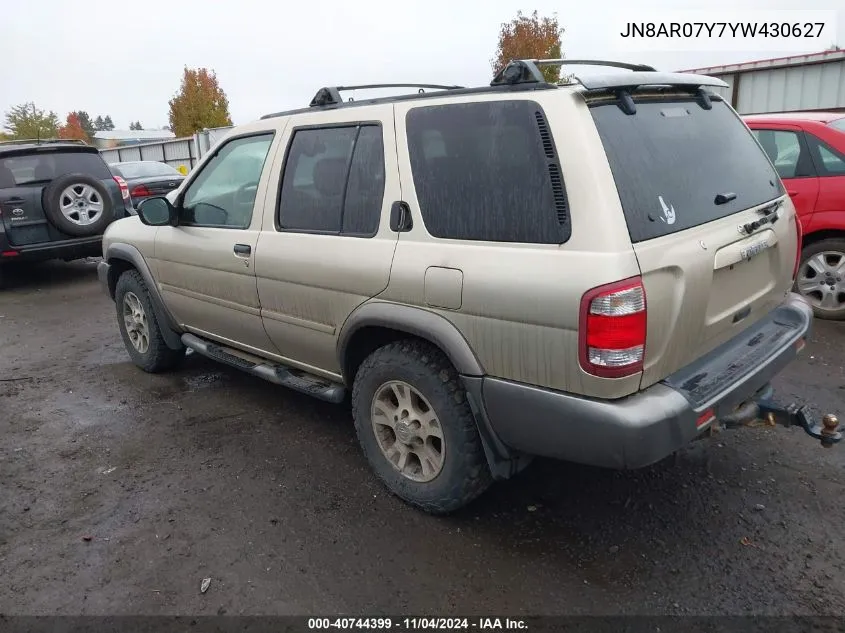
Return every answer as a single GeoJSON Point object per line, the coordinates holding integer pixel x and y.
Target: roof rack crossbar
{"type": "Point", "coordinates": [521, 71]}
{"type": "Point", "coordinates": [330, 95]}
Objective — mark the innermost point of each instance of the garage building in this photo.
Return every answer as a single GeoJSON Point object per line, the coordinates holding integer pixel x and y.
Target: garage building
{"type": "Point", "coordinates": [784, 84]}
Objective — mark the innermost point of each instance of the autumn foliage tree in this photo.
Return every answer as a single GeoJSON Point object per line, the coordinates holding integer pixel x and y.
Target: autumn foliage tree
{"type": "Point", "coordinates": [72, 129]}
{"type": "Point", "coordinates": [26, 121]}
{"type": "Point", "coordinates": [530, 37]}
{"type": "Point", "coordinates": [199, 104]}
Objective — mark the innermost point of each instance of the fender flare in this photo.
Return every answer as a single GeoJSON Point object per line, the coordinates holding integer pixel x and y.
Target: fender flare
{"type": "Point", "coordinates": [131, 255]}
{"type": "Point", "coordinates": [418, 322]}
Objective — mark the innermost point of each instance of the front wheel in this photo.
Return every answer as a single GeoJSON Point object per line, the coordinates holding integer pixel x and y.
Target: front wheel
{"type": "Point", "coordinates": [821, 278]}
{"type": "Point", "coordinates": [416, 428]}
{"type": "Point", "coordinates": [139, 327]}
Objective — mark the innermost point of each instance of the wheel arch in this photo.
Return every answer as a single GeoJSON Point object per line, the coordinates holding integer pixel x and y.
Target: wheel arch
{"type": "Point", "coordinates": [122, 257]}
{"type": "Point", "coordinates": [378, 323]}
{"type": "Point", "coordinates": [824, 234]}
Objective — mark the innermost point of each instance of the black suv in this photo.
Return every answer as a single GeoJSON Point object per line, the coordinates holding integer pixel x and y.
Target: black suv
{"type": "Point", "coordinates": [56, 199]}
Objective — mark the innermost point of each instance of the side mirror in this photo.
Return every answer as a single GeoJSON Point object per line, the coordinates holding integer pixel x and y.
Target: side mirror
{"type": "Point", "coordinates": [157, 212]}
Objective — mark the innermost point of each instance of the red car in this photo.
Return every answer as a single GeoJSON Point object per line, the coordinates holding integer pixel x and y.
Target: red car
{"type": "Point", "coordinates": [808, 151]}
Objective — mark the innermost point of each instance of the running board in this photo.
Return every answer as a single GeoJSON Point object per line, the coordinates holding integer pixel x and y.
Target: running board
{"type": "Point", "coordinates": [278, 374]}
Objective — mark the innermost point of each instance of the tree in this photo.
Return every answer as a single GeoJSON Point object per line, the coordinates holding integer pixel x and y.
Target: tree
{"type": "Point", "coordinates": [199, 104]}
{"type": "Point", "coordinates": [85, 122]}
{"type": "Point", "coordinates": [530, 37]}
{"type": "Point", "coordinates": [72, 129]}
{"type": "Point", "coordinates": [136, 126]}
{"type": "Point", "coordinates": [98, 123]}
{"type": "Point", "coordinates": [107, 123]}
{"type": "Point", "coordinates": [27, 121]}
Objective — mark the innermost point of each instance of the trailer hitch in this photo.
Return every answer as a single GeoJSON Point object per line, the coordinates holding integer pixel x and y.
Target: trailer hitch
{"type": "Point", "coordinates": [768, 413]}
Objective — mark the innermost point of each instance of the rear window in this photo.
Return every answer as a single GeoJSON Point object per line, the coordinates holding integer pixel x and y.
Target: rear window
{"type": "Point", "coordinates": [672, 159]}
{"type": "Point", "coordinates": [838, 124]}
{"type": "Point", "coordinates": [487, 171]}
{"type": "Point", "coordinates": [45, 166]}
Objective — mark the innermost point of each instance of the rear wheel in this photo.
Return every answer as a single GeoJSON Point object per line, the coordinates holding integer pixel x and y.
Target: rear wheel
{"type": "Point", "coordinates": [416, 428]}
{"type": "Point", "coordinates": [139, 327]}
{"type": "Point", "coordinates": [821, 278]}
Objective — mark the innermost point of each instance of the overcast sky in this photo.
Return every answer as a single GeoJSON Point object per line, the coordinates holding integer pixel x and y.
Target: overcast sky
{"type": "Point", "coordinates": [126, 59]}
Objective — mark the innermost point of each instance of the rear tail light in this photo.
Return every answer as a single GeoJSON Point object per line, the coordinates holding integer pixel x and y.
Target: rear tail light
{"type": "Point", "coordinates": [124, 188]}
{"type": "Point", "coordinates": [800, 233]}
{"type": "Point", "coordinates": [9, 254]}
{"type": "Point", "coordinates": [141, 191]}
{"type": "Point", "coordinates": [612, 329]}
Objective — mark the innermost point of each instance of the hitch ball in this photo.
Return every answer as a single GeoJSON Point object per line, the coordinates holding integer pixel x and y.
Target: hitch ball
{"type": "Point", "coordinates": [829, 425]}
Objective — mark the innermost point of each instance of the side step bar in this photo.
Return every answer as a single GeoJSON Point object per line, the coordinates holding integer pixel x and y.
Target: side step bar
{"type": "Point", "coordinates": [278, 374]}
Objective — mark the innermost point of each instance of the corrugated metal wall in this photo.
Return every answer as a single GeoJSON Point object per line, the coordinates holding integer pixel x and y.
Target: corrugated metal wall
{"type": "Point", "coordinates": [176, 153]}
{"type": "Point", "coordinates": [816, 87]}
{"type": "Point", "coordinates": [815, 81]}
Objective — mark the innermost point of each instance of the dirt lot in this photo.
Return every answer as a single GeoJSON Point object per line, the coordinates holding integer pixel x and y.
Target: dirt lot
{"type": "Point", "coordinates": [121, 491]}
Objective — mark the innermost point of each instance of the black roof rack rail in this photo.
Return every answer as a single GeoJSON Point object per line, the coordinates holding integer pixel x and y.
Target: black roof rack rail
{"type": "Point", "coordinates": [42, 141]}
{"type": "Point", "coordinates": [331, 95]}
{"type": "Point", "coordinates": [522, 71]}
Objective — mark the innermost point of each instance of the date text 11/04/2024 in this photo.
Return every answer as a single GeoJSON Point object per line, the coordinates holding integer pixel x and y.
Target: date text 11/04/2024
{"type": "Point", "coordinates": [418, 623]}
{"type": "Point", "coordinates": [723, 29]}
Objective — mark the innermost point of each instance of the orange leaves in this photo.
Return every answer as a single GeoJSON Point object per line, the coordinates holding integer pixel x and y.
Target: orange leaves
{"type": "Point", "coordinates": [529, 37]}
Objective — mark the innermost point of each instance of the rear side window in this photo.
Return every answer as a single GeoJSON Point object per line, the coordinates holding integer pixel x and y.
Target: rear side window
{"type": "Point", "coordinates": [333, 181]}
{"type": "Point", "coordinates": [672, 158]}
{"type": "Point", "coordinates": [786, 151]}
{"type": "Point", "coordinates": [829, 161]}
{"type": "Point", "coordinates": [45, 166]}
{"type": "Point", "coordinates": [488, 171]}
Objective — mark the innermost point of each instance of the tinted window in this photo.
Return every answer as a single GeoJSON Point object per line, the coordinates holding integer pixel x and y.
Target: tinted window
{"type": "Point", "coordinates": [365, 189]}
{"type": "Point", "coordinates": [333, 180]}
{"type": "Point", "coordinates": [829, 161]}
{"type": "Point", "coordinates": [482, 172]}
{"type": "Point", "coordinates": [146, 169]}
{"type": "Point", "coordinates": [45, 166]}
{"type": "Point", "coordinates": [223, 194]}
{"type": "Point", "coordinates": [785, 150]}
{"type": "Point", "coordinates": [672, 158]}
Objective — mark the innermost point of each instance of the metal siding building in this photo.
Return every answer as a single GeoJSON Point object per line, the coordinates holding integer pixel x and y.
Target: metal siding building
{"type": "Point", "coordinates": [784, 84]}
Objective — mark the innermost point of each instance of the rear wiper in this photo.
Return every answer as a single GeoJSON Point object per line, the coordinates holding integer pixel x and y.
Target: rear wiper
{"type": "Point", "coordinates": [724, 198]}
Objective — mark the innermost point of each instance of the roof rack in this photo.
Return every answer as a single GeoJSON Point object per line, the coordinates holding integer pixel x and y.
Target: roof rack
{"type": "Point", "coordinates": [42, 141]}
{"type": "Point", "coordinates": [331, 95]}
{"type": "Point", "coordinates": [522, 71]}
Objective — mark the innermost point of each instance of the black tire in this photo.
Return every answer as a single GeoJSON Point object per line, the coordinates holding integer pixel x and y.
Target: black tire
{"type": "Point", "coordinates": [465, 474]}
{"type": "Point", "coordinates": [831, 245]}
{"type": "Point", "coordinates": [157, 357]}
{"type": "Point", "coordinates": [52, 200]}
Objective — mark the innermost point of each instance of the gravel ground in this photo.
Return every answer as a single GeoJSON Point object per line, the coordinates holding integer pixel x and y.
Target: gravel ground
{"type": "Point", "coordinates": [121, 491]}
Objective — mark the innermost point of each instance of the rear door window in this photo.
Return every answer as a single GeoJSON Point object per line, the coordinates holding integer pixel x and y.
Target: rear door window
{"type": "Point", "coordinates": [487, 171]}
{"type": "Point", "coordinates": [672, 158]}
{"type": "Point", "coordinates": [45, 166]}
{"type": "Point", "coordinates": [786, 151]}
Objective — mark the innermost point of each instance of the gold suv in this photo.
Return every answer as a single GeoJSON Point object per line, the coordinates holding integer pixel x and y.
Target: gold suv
{"type": "Point", "coordinates": [596, 271]}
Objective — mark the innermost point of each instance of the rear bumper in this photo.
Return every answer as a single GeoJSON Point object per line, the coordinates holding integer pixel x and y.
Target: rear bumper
{"type": "Point", "coordinates": [65, 249]}
{"type": "Point", "coordinates": [646, 427]}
